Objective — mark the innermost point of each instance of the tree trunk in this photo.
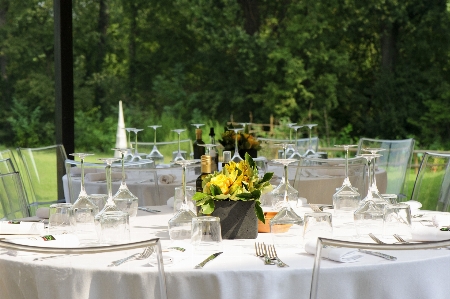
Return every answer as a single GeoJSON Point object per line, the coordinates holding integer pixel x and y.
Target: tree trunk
{"type": "Point", "coordinates": [102, 28]}
{"type": "Point", "coordinates": [251, 15]}
{"type": "Point", "coordinates": [389, 33]}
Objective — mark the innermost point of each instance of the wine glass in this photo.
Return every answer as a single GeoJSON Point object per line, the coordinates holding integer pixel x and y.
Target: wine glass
{"type": "Point", "coordinates": [290, 150]}
{"type": "Point", "coordinates": [179, 156]}
{"type": "Point", "coordinates": [110, 205]}
{"type": "Point", "coordinates": [346, 199]}
{"type": "Point", "coordinates": [286, 227]}
{"type": "Point", "coordinates": [180, 224]}
{"type": "Point", "coordinates": [310, 150]}
{"type": "Point", "coordinates": [124, 199]}
{"type": "Point", "coordinates": [373, 150]}
{"type": "Point", "coordinates": [83, 210]}
{"type": "Point", "coordinates": [245, 125]}
{"type": "Point", "coordinates": [155, 154]}
{"type": "Point", "coordinates": [296, 154]}
{"type": "Point", "coordinates": [236, 157]}
{"type": "Point", "coordinates": [372, 192]}
{"type": "Point", "coordinates": [208, 147]}
{"type": "Point", "coordinates": [129, 154]}
{"type": "Point", "coordinates": [284, 189]}
{"type": "Point", "coordinates": [136, 156]}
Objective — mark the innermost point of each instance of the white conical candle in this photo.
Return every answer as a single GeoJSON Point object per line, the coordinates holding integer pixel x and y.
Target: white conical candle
{"type": "Point", "coordinates": [121, 136]}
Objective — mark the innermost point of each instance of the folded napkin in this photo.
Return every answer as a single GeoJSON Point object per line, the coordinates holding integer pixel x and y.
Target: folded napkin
{"type": "Point", "coordinates": [43, 212]}
{"type": "Point", "coordinates": [338, 254]}
{"type": "Point", "coordinates": [413, 204]}
{"type": "Point", "coordinates": [441, 219]}
{"type": "Point", "coordinates": [21, 228]}
{"type": "Point", "coordinates": [421, 233]}
{"type": "Point", "coordinates": [166, 178]}
{"type": "Point", "coordinates": [170, 202]}
{"type": "Point", "coordinates": [101, 176]}
{"type": "Point", "coordinates": [60, 241]}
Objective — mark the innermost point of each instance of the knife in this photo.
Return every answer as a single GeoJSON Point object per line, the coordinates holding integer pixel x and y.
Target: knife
{"type": "Point", "coordinates": [148, 210]}
{"type": "Point", "coordinates": [208, 259]}
{"type": "Point", "coordinates": [379, 254]}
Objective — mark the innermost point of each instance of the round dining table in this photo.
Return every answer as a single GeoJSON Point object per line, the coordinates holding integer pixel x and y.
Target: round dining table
{"type": "Point", "coordinates": [236, 273]}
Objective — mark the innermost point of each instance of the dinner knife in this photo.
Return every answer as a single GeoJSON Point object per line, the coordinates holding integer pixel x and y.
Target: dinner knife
{"type": "Point", "coordinates": [379, 254]}
{"type": "Point", "coordinates": [208, 259]}
{"type": "Point", "coordinates": [148, 210]}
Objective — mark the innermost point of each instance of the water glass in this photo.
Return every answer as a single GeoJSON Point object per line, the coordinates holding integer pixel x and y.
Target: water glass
{"type": "Point", "coordinates": [59, 219]}
{"type": "Point", "coordinates": [397, 220]}
{"type": "Point", "coordinates": [391, 198]}
{"type": "Point", "coordinates": [206, 233]}
{"type": "Point", "coordinates": [317, 224]}
{"type": "Point", "coordinates": [115, 227]}
{"type": "Point", "coordinates": [178, 199]}
{"type": "Point", "coordinates": [99, 200]}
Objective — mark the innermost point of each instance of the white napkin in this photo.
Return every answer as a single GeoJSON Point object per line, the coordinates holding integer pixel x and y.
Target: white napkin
{"type": "Point", "coordinates": [101, 176]}
{"type": "Point", "coordinates": [43, 213]}
{"type": "Point", "coordinates": [170, 202]}
{"type": "Point", "coordinates": [338, 254]}
{"type": "Point", "coordinates": [413, 204]}
{"type": "Point", "coordinates": [60, 241]}
{"type": "Point", "coordinates": [440, 220]}
{"type": "Point", "coordinates": [22, 228]}
{"type": "Point", "coordinates": [421, 233]}
{"type": "Point", "coordinates": [166, 179]}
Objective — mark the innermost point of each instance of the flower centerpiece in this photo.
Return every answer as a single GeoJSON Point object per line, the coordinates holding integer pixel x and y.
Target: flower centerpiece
{"type": "Point", "coordinates": [236, 182]}
{"type": "Point", "coordinates": [246, 141]}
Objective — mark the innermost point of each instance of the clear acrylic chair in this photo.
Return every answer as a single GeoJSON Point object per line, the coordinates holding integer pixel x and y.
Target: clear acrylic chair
{"type": "Point", "coordinates": [329, 175]}
{"type": "Point", "coordinates": [13, 201]}
{"type": "Point", "coordinates": [25, 284]}
{"type": "Point", "coordinates": [432, 185]}
{"type": "Point", "coordinates": [395, 159]}
{"type": "Point", "coordinates": [42, 169]}
{"type": "Point", "coordinates": [8, 154]}
{"type": "Point", "coordinates": [7, 166]}
{"type": "Point", "coordinates": [321, 242]}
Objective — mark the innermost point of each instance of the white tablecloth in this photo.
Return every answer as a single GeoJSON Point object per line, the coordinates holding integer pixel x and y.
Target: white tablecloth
{"type": "Point", "coordinates": [237, 273]}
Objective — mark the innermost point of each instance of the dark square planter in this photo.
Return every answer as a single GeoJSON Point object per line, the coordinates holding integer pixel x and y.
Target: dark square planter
{"type": "Point", "coordinates": [237, 219]}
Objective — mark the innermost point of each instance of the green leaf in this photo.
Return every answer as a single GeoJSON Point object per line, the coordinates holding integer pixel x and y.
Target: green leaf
{"type": "Point", "coordinates": [245, 195]}
{"type": "Point", "coordinates": [267, 177]}
{"type": "Point", "coordinates": [250, 161]}
{"type": "Point", "coordinates": [259, 212]}
{"type": "Point", "coordinates": [215, 190]}
{"type": "Point", "coordinates": [208, 207]}
{"type": "Point", "coordinates": [199, 196]}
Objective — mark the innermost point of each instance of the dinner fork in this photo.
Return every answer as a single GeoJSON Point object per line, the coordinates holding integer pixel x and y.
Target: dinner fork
{"type": "Point", "coordinates": [137, 256]}
{"type": "Point", "coordinates": [378, 241]}
{"type": "Point", "coordinates": [273, 256]}
{"type": "Point", "coordinates": [259, 250]}
{"type": "Point", "coordinates": [315, 208]}
{"type": "Point", "coordinates": [400, 239]}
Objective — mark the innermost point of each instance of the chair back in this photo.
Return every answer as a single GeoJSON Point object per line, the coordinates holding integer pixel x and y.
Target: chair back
{"type": "Point", "coordinates": [317, 179]}
{"type": "Point", "coordinates": [395, 159]}
{"type": "Point", "coordinates": [13, 201]}
{"type": "Point", "coordinates": [432, 185]}
{"type": "Point", "coordinates": [42, 170]}
{"type": "Point", "coordinates": [8, 154]}
{"type": "Point", "coordinates": [7, 166]}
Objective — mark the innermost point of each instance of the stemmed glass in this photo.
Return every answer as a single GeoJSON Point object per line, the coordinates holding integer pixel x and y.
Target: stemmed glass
{"type": "Point", "coordinates": [290, 150]}
{"type": "Point", "coordinates": [136, 156]}
{"type": "Point", "coordinates": [179, 156]}
{"type": "Point", "coordinates": [236, 157]}
{"type": "Point", "coordinates": [245, 125]}
{"type": "Point", "coordinates": [129, 154]}
{"type": "Point", "coordinates": [310, 150]}
{"type": "Point", "coordinates": [155, 154]}
{"type": "Point", "coordinates": [284, 189]}
{"type": "Point", "coordinates": [83, 210]}
{"type": "Point", "coordinates": [374, 151]}
{"type": "Point", "coordinates": [110, 205]}
{"type": "Point", "coordinates": [180, 224]}
{"type": "Point", "coordinates": [296, 154]}
{"type": "Point", "coordinates": [124, 199]}
{"type": "Point", "coordinates": [346, 199]}
{"type": "Point", "coordinates": [286, 227]}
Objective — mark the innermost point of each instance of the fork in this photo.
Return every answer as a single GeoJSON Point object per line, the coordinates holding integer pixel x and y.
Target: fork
{"type": "Point", "coordinates": [315, 208]}
{"type": "Point", "coordinates": [273, 256]}
{"type": "Point", "coordinates": [137, 256]}
{"type": "Point", "coordinates": [260, 251]}
{"type": "Point", "coordinates": [378, 241]}
{"type": "Point", "coordinates": [400, 239]}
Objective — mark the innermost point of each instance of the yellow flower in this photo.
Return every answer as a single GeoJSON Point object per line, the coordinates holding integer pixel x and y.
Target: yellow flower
{"type": "Point", "coordinates": [221, 181]}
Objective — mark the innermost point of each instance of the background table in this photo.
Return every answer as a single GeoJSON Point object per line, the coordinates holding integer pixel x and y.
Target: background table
{"type": "Point", "coordinates": [237, 273]}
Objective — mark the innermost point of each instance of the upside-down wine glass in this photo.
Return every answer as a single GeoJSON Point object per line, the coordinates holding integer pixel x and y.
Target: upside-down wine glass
{"type": "Point", "coordinates": [136, 156]}
{"type": "Point", "coordinates": [286, 227]}
{"type": "Point", "coordinates": [236, 157]}
{"type": "Point", "coordinates": [290, 150]}
{"type": "Point", "coordinates": [83, 210]}
{"type": "Point", "coordinates": [284, 188]}
{"type": "Point", "coordinates": [110, 204]}
{"type": "Point", "coordinates": [208, 147]}
{"type": "Point", "coordinates": [124, 199]}
{"type": "Point", "coordinates": [346, 199]}
{"type": "Point", "coordinates": [129, 154]}
{"type": "Point", "coordinates": [245, 125]}
{"type": "Point", "coordinates": [179, 156]}
{"type": "Point", "coordinates": [155, 154]}
{"type": "Point", "coordinates": [296, 154]}
{"type": "Point", "coordinates": [310, 150]}
{"type": "Point", "coordinates": [180, 224]}
{"type": "Point", "coordinates": [373, 150]}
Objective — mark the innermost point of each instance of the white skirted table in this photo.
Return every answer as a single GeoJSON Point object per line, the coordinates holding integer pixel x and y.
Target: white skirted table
{"type": "Point", "coordinates": [237, 273]}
